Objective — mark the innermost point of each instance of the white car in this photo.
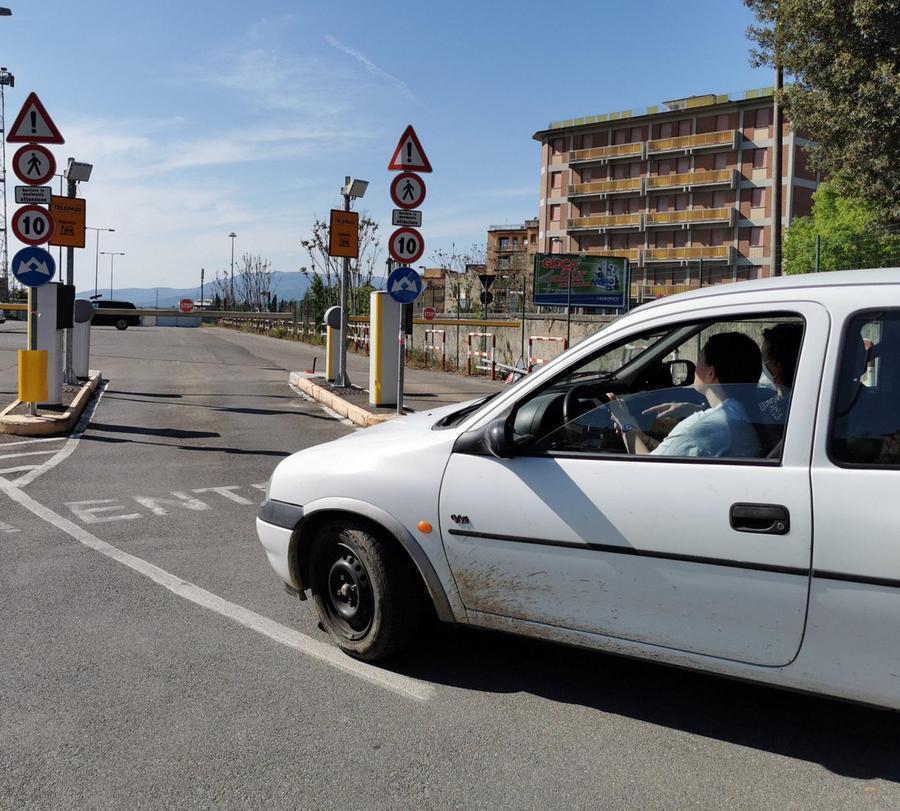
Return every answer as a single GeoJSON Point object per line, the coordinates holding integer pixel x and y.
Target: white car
{"type": "Point", "coordinates": [758, 538]}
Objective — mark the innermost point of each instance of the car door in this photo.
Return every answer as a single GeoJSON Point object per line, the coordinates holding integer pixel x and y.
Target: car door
{"type": "Point", "coordinates": [674, 552]}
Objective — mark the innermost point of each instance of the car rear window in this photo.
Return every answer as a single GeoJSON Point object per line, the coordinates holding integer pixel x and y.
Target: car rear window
{"type": "Point", "coordinates": [865, 426]}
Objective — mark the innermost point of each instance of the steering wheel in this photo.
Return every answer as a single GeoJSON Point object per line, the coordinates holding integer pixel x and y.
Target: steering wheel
{"type": "Point", "coordinates": [568, 406]}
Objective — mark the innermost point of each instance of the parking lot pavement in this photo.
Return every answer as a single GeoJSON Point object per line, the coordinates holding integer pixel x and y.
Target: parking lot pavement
{"type": "Point", "coordinates": [151, 657]}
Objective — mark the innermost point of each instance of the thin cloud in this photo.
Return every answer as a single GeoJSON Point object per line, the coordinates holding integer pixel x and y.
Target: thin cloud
{"type": "Point", "coordinates": [371, 67]}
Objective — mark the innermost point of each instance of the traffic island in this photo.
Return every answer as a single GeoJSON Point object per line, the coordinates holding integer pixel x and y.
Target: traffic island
{"type": "Point", "coordinates": [351, 402]}
{"type": "Point", "coordinates": [50, 421]}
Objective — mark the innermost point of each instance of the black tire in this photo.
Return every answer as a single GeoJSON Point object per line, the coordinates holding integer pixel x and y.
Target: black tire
{"type": "Point", "coordinates": [121, 324]}
{"type": "Point", "coordinates": [366, 591]}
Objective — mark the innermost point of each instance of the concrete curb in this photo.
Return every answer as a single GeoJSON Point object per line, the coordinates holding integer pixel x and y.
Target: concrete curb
{"type": "Point", "coordinates": [337, 404]}
{"type": "Point", "coordinates": [49, 424]}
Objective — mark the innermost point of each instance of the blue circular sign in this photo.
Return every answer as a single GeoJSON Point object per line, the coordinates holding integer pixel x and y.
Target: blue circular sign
{"type": "Point", "coordinates": [33, 267]}
{"type": "Point", "coordinates": [404, 285]}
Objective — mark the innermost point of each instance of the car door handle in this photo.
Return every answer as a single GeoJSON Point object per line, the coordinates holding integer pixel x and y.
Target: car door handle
{"type": "Point", "coordinates": [767, 519]}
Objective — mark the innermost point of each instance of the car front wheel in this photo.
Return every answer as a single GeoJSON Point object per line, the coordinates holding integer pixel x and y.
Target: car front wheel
{"type": "Point", "coordinates": [366, 592]}
{"type": "Point", "coordinates": [121, 324]}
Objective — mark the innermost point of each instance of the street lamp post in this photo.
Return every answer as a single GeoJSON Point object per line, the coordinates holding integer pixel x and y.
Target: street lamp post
{"type": "Point", "coordinates": [97, 254]}
{"type": "Point", "coordinates": [232, 235]}
{"type": "Point", "coordinates": [352, 188]}
{"type": "Point", "coordinates": [112, 255]}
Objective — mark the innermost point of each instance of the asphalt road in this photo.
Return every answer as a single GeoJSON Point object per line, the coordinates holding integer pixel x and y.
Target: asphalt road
{"type": "Point", "coordinates": [149, 657]}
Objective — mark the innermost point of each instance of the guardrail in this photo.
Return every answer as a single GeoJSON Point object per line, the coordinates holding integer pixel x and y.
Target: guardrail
{"type": "Point", "coordinates": [15, 307]}
{"type": "Point", "coordinates": [686, 179]}
{"type": "Point", "coordinates": [682, 142]}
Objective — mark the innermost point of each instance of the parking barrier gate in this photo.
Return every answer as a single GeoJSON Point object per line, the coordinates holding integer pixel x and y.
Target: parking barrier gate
{"type": "Point", "coordinates": [488, 360]}
{"type": "Point", "coordinates": [431, 347]}
{"type": "Point", "coordinates": [532, 360]}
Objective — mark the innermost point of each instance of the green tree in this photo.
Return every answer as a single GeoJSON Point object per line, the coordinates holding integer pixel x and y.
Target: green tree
{"type": "Point", "coordinates": [842, 65]}
{"type": "Point", "coordinates": [849, 233]}
{"type": "Point", "coordinates": [317, 298]}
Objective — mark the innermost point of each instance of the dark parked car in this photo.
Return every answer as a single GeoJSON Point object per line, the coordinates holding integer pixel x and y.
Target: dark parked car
{"type": "Point", "coordinates": [102, 319]}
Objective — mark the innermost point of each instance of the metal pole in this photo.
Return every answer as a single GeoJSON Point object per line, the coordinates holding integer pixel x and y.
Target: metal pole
{"type": "Point", "coordinates": [342, 378]}
{"type": "Point", "coordinates": [96, 261]}
{"type": "Point", "coordinates": [818, 251]}
{"type": "Point", "coordinates": [401, 361]}
{"type": "Point", "coordinates": [202, 279]}
{"type": "Point", "coordinates": [569, 309]}
{"type": "Point", "coordinates": [776, 154]}
{"type": "Point", "coordinates": [700, 280]}
{"type": "Point", "coordinates": [32, 331]}
{"type": "Point", "coordinates": [524, 289]}
{"type": "Point", "coordinates": [69, 376]}
{"type": "Point", "coordinates": [111, 257]}
{"type": "Point", "coordinates": [232, 235]}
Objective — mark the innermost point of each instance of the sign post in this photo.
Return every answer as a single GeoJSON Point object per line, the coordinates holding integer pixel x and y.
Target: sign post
{"type": "Point", "coordinates": [343, 240]}
{"type": "Point", "coordinates": [33, 267]}
{"type": "Point", "coordinates": [404, 285]}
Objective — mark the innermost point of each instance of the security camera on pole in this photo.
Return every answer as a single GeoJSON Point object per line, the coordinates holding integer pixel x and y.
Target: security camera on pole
{"type": "Point", "coordinates": [406, 244]}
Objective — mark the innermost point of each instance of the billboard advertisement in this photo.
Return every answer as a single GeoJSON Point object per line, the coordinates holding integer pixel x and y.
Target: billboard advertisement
{"type": "Point", "coordinates": [597, 281]}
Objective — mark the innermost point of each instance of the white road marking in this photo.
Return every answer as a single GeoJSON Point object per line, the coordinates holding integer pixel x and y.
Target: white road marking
{"type": "Point", "coordinates": [18, 469]}
{"type": "Point", "coordinates": [26, 453]}
{"type": "Point", "coordinates": [6, 445]}
{"type": "Point", "coordinates": [8, 528]}
{"type": "Point", "coordinates": [71, 443]}
{"type": "Point", "coordinates": [401, 685]}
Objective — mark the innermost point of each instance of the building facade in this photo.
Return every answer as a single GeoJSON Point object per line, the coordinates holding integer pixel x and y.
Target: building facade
{"type": "Point", "coordinates": [510, 257]}
{"type": "Point", "coordinates": [683, 190]}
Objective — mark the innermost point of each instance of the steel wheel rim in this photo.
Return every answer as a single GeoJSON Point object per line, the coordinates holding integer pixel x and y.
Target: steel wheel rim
{"type": "Point", "coordinates": [349, 598]}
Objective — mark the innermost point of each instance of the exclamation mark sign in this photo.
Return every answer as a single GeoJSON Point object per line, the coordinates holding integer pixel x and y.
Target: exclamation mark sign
{"type": "Point", "coordinates": [33, 122]}
{"type": "Point", "coordinates": [409, 151]}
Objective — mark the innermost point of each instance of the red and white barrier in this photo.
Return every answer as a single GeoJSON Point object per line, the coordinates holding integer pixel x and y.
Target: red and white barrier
{"type": "Point", "coordinates": [534, 361]}
{"type": "Point", "coordinates": [432, 348]}
{"type": "Point", "coordinates": [481, 356]}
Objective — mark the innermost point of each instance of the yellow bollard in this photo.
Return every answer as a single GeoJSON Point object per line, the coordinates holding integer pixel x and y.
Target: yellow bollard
{"type": "Point", "coordinates": [33, 375]}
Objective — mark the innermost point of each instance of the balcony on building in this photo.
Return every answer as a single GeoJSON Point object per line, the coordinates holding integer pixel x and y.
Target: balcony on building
{"type": "Point", "coordinates": [606, 153]}
{"type": "Point", "coordinates": [627, 185]}
{"type": "Point", "coordinates": [604, 222]}
{"type": "Point", "coordinates": [690, 217]}
{"type": "Point", "coordinates": [708, 253]}
{"type": "Point", "coordinates": [725, 139]}
{"type": "Point", "coordinates": [633, 255]}
{"type": "Point", "coordinates": [689, 180]}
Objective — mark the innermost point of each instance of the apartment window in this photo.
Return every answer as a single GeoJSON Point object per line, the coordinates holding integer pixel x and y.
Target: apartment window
{"type": "Point", "coordinates": [587, 141]}
{"type": "Point", "coordinates": [620, 171]}
{"type": "Point", "coordinates": [556, 245]}
{"type": "Point", "coordinates": [720, 160]}
{"type": "Point", "coordinates": [555, 213]}
{"type": "Point", "coordinates": [666, 130]}
{"type": "Point", "coordinates": [681, 202]}
{"type": "Point", "coordinates": [723, 122]}
{"type": "Point", "coordinates": [756, 237]}
{"type": "Point", "coordinates": [760, 158]}
{"type": "Point", "coordinates": [763, 117]}
{"type": "Point", "coordinates": [720, 236]}
{"type": "Point", "coordinates": [620, 137]}
{"type": "Point", "coordinates": [720, 199]}
{"type": "Point", "coordinates": [504, 262]}
{"type": "Point", "coordinates": [634, 205]}
{"type": "Point", "coordinates": [757, 198]}
{"type": "Point", "coordinates": [664, 167]}
{"type": "Point", "coordinates": [586, 175]}
{"type": "Point", "coordinates": [636, 135]}
{"type": "Point", "coordinates": [556, 180]}
{"type": "Point", "coordinates": [556, 146]}
{"type": "Point", "coordinates": [504, 243]}
{"type": "Point", "coordinates": [683, 165]}
{"type": "Point", "coordinates": [634, 170]}
{"type": "Point", "coordinates": [662, 203]}
{"type": "Point", "coordinates": [515, 242]}
{"type": "Point", "coordinates": [685, 127]}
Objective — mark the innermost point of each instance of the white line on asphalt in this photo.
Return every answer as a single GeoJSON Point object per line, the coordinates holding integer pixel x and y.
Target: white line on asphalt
{"type": "Point", "coordinates": [402, 685]}
{"type": "Point", "coordinates": [27, 453]}
{"type": "Point", "coordinates": [8, 528]}
{"type": "Point", "coordinates": [18, 469]}
{"type": "Point", "coordinates": [6, 445]}
{"type": "Point", "coordinates": [71, 443]}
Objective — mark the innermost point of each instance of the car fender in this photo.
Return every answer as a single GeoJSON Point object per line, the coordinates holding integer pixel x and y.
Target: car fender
{"type": "Point", "coordinates": [446, 599]}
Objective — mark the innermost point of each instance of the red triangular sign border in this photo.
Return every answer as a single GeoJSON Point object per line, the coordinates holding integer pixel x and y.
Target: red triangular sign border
{"type": "Point", "coordinates": [54, 138]}
{"type": "Point", "coordinates": [396, 165]}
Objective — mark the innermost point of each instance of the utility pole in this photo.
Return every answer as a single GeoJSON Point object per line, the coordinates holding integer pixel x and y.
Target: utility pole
{"type": "Point", "coordinates": [69, 376]}
{"type": "Point", "coordinates": [232, 235]}
{"type": "Point", "coordinates": [6, 80]}
{"type": "Point", "coordinates": [778, 122]}
{"type": "Point", "coordinates": [342, 378]}
{"type": "Point", "coordinates": [202, 275]}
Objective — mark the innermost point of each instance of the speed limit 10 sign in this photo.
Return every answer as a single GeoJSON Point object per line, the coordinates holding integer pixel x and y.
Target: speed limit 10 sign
{"type": "Point", "coordinates": [406, 245]}
{"type": "Point", "coordinates": [33, 225]}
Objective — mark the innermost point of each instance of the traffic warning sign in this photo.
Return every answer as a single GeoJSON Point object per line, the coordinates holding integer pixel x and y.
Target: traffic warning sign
{"type": "Point", "coordinates": [34, 125]}
{"type": "Point", "coordinates": [409, 154]}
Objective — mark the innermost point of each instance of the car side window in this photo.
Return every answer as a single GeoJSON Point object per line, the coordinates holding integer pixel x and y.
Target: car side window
{"type": "Point", "coordinates": [668, 399]}
{"type": "Point", "coordinates": [865, 424]}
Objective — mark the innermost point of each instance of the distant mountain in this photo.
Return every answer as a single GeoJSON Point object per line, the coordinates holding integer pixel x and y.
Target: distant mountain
{"type": "Point", "coordinates": [284, 285]}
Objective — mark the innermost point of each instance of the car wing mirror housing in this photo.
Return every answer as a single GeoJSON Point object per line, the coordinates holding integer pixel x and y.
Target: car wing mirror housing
{"type": "Point", "coordinates": [498, 437]}
{"type": "Point", "coordinates": [681, 371]}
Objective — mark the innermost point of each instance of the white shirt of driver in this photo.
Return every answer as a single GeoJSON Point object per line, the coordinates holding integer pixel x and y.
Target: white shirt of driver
{"type": "Point", "coordinates": [723, 430]}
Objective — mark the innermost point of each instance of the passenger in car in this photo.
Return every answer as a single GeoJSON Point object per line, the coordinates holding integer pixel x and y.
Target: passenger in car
{"type": "Point", "coordinates": [727, 372]}
{"type": "Point", "coordinates": [780, 352]}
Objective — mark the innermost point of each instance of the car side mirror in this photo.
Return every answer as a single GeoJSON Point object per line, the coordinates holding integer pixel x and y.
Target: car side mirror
{"type": "Point", "coordinates": [681, 372]}
{"type": "Point", "coordinates": [499, 438]}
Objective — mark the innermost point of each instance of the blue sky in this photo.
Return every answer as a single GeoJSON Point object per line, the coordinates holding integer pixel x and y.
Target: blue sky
{"type": "Point", "coordinates": [205, 117]}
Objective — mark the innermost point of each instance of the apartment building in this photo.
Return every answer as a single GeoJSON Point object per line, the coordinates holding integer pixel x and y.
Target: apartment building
{"type": "Point", "coordinates": [510, 256]}
{"type": "Point", "coordinates": [683, 189]}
